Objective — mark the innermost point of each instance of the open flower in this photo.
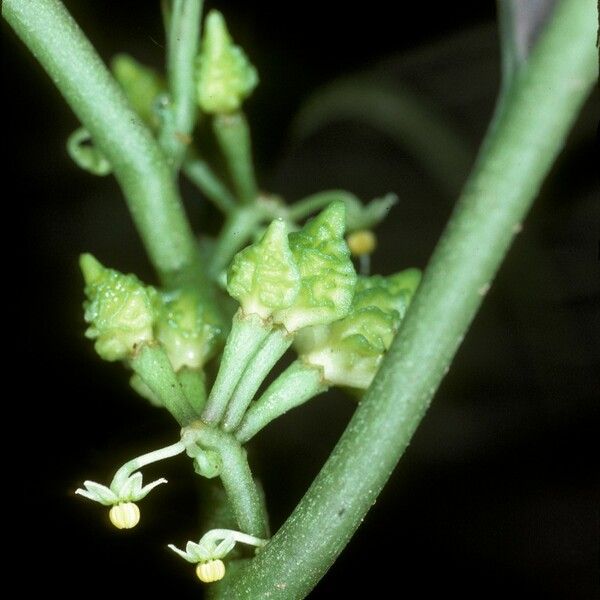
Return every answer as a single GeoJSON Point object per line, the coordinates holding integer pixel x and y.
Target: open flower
{"type": "Point", "coordinates": [121, 496]}
{"type": "Point", "coordinates": [211, 549]}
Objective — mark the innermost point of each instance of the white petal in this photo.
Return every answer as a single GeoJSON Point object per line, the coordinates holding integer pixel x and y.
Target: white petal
{"type": "Point", "coordinates": [147, 488]}
{"type": "Point", "coordinates": [131, 488]}
{"type": "Point", "coordinates": [181, 553]}
{"type": "Point", "coordinates": [224, 548]}
{"type": "Point", "coordinates": [100, 493]}
{"type": "Point", "coordinates": [195, 552]}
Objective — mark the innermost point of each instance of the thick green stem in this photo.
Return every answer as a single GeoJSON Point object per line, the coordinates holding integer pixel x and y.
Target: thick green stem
{"type": "Point", "coordinates": [243, 494]}
{"type": "Point", "coordinates": [202, 176]}
{"type": "Point", "coordinates": [137, 161]}
{"type": "Point", "coordinates": [233, 134]}
{"type": "Point", "coordinates": [183, 38]}
{"type": "Point", "coordinates": [152, 364]}
{"type": "Point", "coordinates": [246, 335]}
{"type": "Point", "coordinates": [296, 385]}
{"type": "Point", "coordinates": [518, 151]}
{"type": "Point", "coordinates": [272, 349]}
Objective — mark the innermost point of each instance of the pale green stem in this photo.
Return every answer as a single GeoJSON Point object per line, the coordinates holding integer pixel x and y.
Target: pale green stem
{"type": "Point", "coordinates": [237, 231]}
{"type": "Point", "coordinates": [152, 364]}
{"type": "Point", "coordinates": [193, 385]}
{"type": "Point", "coordinates": [233, 135]}
{"type": "Point", "coordinates": [117, 131]}
{"type": "Point", "coordinates": [296, 385]}
{"type": "Point", "coordinates": [246, 335]}
{"type": "Point", "coordinates": [271, 350]}
{"type": "Point", "coordinates": [136, 464]}
{"type": "Point", "coordinates": [183, 39]}
{"type": "Point", "coordinates": [315, 202]}
{"type": "Point", "coordinates": [242, 491]}
{"type": "Point", "coordinates": [202, 176]}
{"type": "Point", "coordinates": [520, 147]}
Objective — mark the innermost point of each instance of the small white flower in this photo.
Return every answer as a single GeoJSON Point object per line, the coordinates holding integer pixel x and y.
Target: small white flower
{"type": "Point", "coordinates": [130, 490]}
{"type": "Point", "coordinates": [212, 547]}
{"type": "Point", "coordinates": [121, 496]}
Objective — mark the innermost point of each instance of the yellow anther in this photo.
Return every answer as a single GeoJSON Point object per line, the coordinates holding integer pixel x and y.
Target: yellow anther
{"type": "Point", "coordinates": [361, 242]}
{"type": "Point", "coordinates": [213, 570]}
{"type": "Point", "coordinates": [125, 515]}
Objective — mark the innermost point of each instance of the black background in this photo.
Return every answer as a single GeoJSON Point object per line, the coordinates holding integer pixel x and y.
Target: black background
{"type": "Point", "coordinates": [497, 495]}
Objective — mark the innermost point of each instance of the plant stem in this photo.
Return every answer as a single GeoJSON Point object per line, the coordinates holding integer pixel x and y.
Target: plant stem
{"type": "Point", "coordinates": [152, 364]}
{"type": "Point", "coordinates": [56, 41]}
{"type": "Point", "coordinates": [236, 233]}
{"type": "Point", "coordinates": [246, 335]}
{"type": "Point", "coordinates": [299, 383]}
{"type": "Point", "coordinates": [518, 151]}
{"type": "Point", "coordinates": [183, 39]}
{"type": "Point", "coordinates": [315, 202]}
{"type": "Point", "coordinates": [242, 491]}
{"type": "Point", "coordinates": [141, 461]}
{"type": "Point", "coordinates": [194, 387]}
{"type": "Point", "coordinates": [271, 350]}
{"type": "Point", "coordinates": [233, 134]}
{"type": "Point", "coordinates": [202, 176]}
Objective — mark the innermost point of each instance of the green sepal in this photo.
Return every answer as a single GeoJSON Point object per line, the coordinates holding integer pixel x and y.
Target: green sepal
{"type": "Point", "coordinates": [142, 86]}
{"type": "Point", "coordinates": [225, 75]}
{"type": "Point", "coordinates": [327, 276]}
{"type": "Point", "coordinates": [264, 277]}
{"type": "Point", "coordinates": [120, 310]}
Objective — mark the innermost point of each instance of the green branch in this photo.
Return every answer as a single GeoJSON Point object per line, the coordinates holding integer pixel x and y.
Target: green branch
{"type": "Point", "coordinates": [243, 494]}
{"type": "Point", "coordinates": [521, 145]}
{"type": "Point", "coordinates": [137, 161]}
{"type": "Point", "coordinates": [183, 39]}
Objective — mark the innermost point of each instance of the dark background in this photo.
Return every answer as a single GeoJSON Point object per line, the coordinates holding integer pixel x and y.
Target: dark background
{"type": "Point", "coordinates": [497, 495]}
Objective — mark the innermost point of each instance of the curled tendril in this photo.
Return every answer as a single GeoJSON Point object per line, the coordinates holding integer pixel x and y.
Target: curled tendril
{"type": "Point", "coordinates": [84, 153]}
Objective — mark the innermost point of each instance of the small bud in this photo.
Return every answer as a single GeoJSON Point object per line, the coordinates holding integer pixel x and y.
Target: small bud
{"type": "Point", "coordinates": [187, 330]}
{"type": "Point", "coordinates": [125, 515]}
{"type": "Point", "coordinates": [263, 277]}
{"type": "Point", "coordinates": [211, 571]}
{"type": "Point", "coordinates": [327, 276]}
{"type": "Point", "coordinates": [120, 309]}
{"type": "Point", "coordinates": [362, 242]}
{"type": "Point", "coordinates": [225, 75]}
{"type": "Point", "coordinates": [141, 85]}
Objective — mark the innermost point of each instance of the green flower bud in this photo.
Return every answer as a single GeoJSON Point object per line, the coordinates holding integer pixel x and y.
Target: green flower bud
{"type": "Point", "coordinates": [141, 85]}
{"type": "Point", "coordinates": [187, 330]}
{"type": "Point", "coordinates": [263, 277]}
{"type": "Point", "coordinates": [225, 76]}
{"type": "Point", "coordinates": [120, 310]}
{"type": "Point", "coordinates": [327, 276]}
{"type": "Point", "coordinates": [392, 292]}
{"type": "Point", "coordinates": [350, 350]}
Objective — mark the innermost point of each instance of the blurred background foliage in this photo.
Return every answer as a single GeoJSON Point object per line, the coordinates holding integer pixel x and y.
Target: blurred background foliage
{"type": "Point", "coordinates": [498, 493]}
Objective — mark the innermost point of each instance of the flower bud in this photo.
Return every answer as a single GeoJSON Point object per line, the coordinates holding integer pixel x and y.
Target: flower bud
{"type": "Point", "coordinates": [120, 310]}
{"type": "Point", "coordinates": [225, 75]}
